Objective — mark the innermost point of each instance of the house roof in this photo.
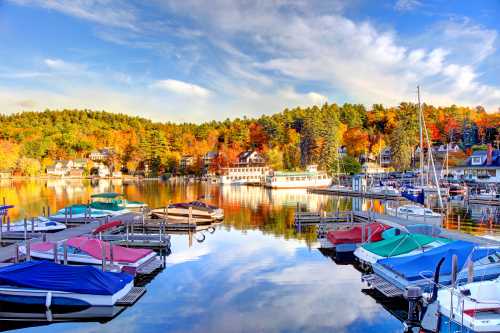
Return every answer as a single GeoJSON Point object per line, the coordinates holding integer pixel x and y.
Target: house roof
{"type": "Point", "coordinates": [495, 161]}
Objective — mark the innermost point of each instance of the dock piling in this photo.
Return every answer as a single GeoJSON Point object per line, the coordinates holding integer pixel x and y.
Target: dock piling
{"type": "Point", "coordinates": [56, 255]}
{"type": "Point", "coordinates": [25, 228]}
{"type": "Point", "coordinates": [28, 250]}
{"type": "Point", "coordinates": [8, 223]}
{"type": "Point", "coordinates": [16, 253]}
{"type": "Point", "coordinates": [48, 211]}
{"type": "Point", "coordinates": [65, 252]}
{"type": "Point", "coordinates": [32, 225]}
{"type": "Point", "coordinates": [103, 255]}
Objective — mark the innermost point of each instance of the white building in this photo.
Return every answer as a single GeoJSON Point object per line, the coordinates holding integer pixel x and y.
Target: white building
{"type": "Point", "coordinates": [250, 169]}
{"type": "Point", "coordinates": [304, 179]}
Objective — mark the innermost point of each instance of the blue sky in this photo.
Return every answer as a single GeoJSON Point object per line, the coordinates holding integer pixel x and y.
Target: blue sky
{"type": "Point", "coordinates": [191, 60]}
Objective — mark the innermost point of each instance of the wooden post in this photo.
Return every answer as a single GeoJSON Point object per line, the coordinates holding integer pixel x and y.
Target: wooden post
{"type": "Point", "coordinates": [32, 225]}
{"type": "Point", "coordinates": [190, 216]}
{"type": "Point", "coordinates": [16, 253]}
{"type": "Point", "coordinates": [43, 211]}
{"type": "Point", "coordinates": [56, 255]}
{"type": "Point", "coordinates": [65, 253]}
{"type": "Point", "coordinates": [70, 212]}
{"type": "Point", "coordinates": [458, 222]}
{"type": "Point", "coordinates": [161, 229]}
{"type": "Point", "coordinates": [111, 254]}
{"type": "Point", "coordinates": [48, 211]}
{"type": "Point", "coordinates": [8, 223]}
{"type": "Point", "coordinates": [28, 250]}
{"type": "Point", "coordinates": [25, 228]}
{"type": "Point", "coordinates": [103, 254]}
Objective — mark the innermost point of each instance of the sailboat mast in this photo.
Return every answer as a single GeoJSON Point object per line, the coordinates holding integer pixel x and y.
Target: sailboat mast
{"type": "Point", "coordinates": [421, 138]}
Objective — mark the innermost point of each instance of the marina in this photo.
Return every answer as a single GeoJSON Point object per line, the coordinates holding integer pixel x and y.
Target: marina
{"type": "Point", "coordinates": [304, 217]}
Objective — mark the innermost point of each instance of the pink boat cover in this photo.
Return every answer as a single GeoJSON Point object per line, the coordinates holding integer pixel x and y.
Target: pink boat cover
{"type": "Point", "coordinates": [353, 235]}
{"type": "Point", "coordinates": [93, 247]}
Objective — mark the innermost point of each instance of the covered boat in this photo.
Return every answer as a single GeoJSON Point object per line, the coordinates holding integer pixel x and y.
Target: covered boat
{"type": "Point", "coordinates": [372, 232]}
{"type": "Point", "coordinates": [86, 250]}
{"type": "Point", "coordinates": [199, 211]}
{"type": "Point", "coordinates": [47, 283]}
{"type": "Point", "coordinates": [40, 224]}
{"type": "Point", "coordinates": [416, 213]}
{"type": "Point", "coordinates": [398, 245]}
{"type": "Point", "coordinates": [114, 201]}
{"type": "Point", "coordinates": [418, 269]}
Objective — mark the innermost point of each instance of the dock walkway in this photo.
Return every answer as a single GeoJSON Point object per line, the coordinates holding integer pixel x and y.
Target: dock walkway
{"type": "Point", "coordinates": [9, 252]}
{"type": "Point", "coordinates": [352, 193]}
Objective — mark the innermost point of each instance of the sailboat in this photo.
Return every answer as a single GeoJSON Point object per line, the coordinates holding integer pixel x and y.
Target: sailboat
{"type": "Point", "coordinates": [420, 212]}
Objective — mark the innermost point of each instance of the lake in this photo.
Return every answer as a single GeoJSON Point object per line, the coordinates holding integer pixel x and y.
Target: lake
{"type": "Point", "coordinates": [254, 273]}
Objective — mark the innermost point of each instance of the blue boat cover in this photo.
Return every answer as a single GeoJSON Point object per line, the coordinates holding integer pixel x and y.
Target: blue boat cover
{"type": "Point", "coordinates": [47, 275]}
{"type": "Point", "coordinates": [423, 265]}
{"type": "Point", "coordinates": [420, 198]}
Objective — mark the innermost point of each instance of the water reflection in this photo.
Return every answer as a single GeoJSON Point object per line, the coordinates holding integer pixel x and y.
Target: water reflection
{"type": "Point", "coordinates": [255, 273]}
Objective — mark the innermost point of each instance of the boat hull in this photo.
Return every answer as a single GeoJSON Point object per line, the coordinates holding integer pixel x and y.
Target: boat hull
{"type": "Point", "coordinates": [59, 298]}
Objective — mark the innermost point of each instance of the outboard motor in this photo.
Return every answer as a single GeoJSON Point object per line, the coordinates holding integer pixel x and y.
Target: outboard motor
{"type": "Point", "coordinates": [414, 297]}
{"type": "Point", "coordinates": [429, 318]}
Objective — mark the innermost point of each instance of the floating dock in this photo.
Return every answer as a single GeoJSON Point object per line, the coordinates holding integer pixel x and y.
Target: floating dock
{"type": "Point", "coordinates": [351, 193]}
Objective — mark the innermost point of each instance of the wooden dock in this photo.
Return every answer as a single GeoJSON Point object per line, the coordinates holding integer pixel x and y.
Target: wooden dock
{"type": "Point", "coordinates": [7, 253]}
{"type": "Point", "coordinates": [351, 193]}
{"type": "Point", "coordinates": [335, 220]}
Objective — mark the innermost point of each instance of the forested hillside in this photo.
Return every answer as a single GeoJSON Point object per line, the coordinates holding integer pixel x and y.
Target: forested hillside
{"type": "Point", "coordinates": [31, 141]}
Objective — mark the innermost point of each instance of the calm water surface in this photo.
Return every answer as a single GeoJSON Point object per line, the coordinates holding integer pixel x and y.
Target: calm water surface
{"type": "Point", "coordinates": [255, 273]}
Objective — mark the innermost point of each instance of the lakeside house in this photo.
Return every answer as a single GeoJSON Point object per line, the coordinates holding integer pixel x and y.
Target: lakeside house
{"type": "Point", "coordinates": [101, 154]}
{"type": "Point", "coordinates": [250, 168]}
{"type": "Point", "coordinates": [481, 166]}
{"type": "Point", "coordinates": [5, 174]}
{"type": "Point", "coordinates": [209, 163]}
{"type": "Point", "coordinates": [60, 168]}
{"type": "Point", "coordinates": [186, 162]}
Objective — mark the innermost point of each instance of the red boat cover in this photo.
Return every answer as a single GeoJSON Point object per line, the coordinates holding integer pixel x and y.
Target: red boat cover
{"type": "Point", "coordinates": [353, 235]}
{"type": "Point", "coordinates": [93, 247]}
{"type": "Point", "coordinates": [107, 226]}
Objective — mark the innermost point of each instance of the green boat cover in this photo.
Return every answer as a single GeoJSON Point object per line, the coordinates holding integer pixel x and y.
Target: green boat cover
{"type": "Point", "coordinates": [105, 206]}
{"type": "Point", "coordinates": [106, 195]}
{"type": "Point", "coordinates": [400, 244]}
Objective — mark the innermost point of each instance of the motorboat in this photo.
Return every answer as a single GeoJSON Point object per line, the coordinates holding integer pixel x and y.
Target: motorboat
{"type": "Point", "coordinates": [113, 200]}
{"type": "Point", "coordinates": [47, 283]}
{"type": "Point", "coordinates": [384, 190]}
{"type": "Point", "coordinates": [90, 251]}
{"type": "Point", "coordinates": [372, 232]}
{"type": "Point", "coordinates": [397, 246]}
{"type": "Point", "coordinates": [198, 211]}
{"type": "Point", "coordinates": [472, 308]}
{"type": "Point", "coordinates": [418, 269]}
{"type": "Point", "coordinates": [24, 316]}
{"type": "Point", "coordinates": [79, 213]}
{"type": "Point", "coordinates": [40, 224]}
{"type": "Point", "coordinates": [416, 213]}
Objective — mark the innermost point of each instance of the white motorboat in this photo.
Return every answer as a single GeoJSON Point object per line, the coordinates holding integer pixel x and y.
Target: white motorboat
{"type": "Point", "coordinates": [40, 224]}
{"type": "Point", "coordinates": [473, 307]}
{"type": "Point", "coordinates": [50, 284]}
{"type": "Point", "coordinates": [384, 190]}
{"type": "Point", "coordinates": [199, 211]}
{"type": "Point", "coordinates": [416, 213]}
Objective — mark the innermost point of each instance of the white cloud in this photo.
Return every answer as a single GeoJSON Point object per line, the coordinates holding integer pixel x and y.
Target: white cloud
{"type": "Point", "coordinates": [182, 88]}
{"type": "Point", "coordinates": [61, 65]}
{"type": "Point", "coordinates": [407, 5]}
{"type": "Point", "coordinates": [101, 11]}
